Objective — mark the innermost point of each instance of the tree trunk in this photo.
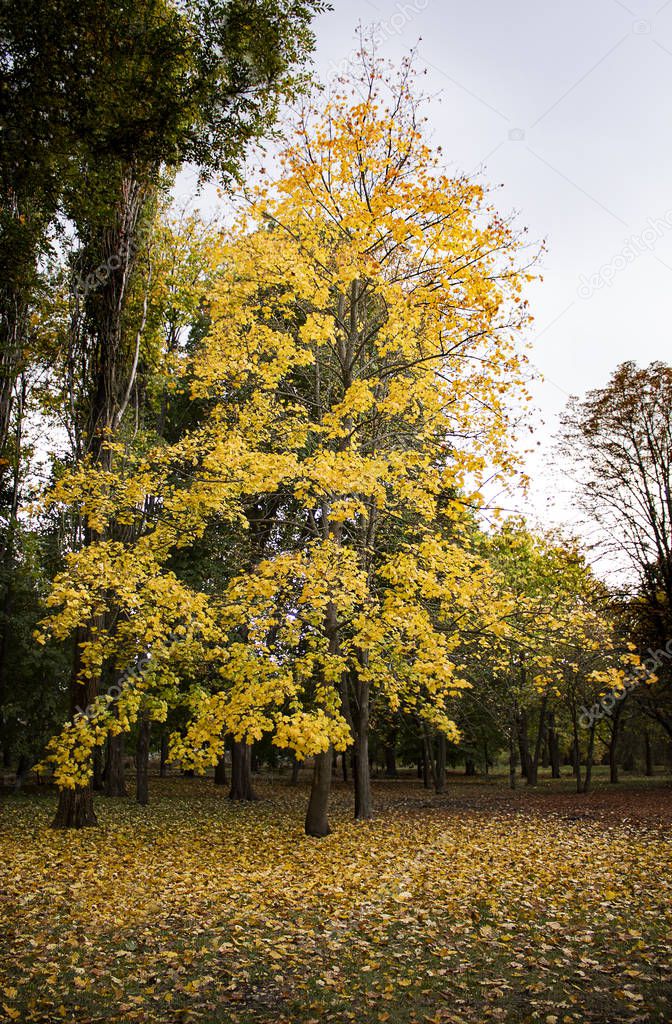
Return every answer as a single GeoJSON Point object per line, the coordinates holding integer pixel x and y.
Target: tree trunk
{"type": "Point", "coordinates": [533, 766]}
{"type": "Point", "coordinates": [470, 766]}
{"type": "Point", "coordinates": [553, 747]}
{"type": "Point", "coordinates": [97, 780]}
{"type": "Point", "coordinates": [317, 821]}
{"type": "Point", "coordinates": [362, 767]}
{"type": "Point", "coordinates": [524, 745]}
{"type": "Point", "coordinates": [576, 753]}
{"type": "Point", "coordinates": [241, 772]}
{"type": "Point", "coordinates": [344, 765]}
{"type": "Point", "coordinates": [142, 760]}
{"type": "Point", "coordinates": [391, 760]}
{"type": "Point", "coordinates": [163, 769]}
{"type": "Point", "coordinates": [220, 771]}
{"type": "Point", "coordinates": [613, 744]}
{"type": "Point", "coordinates": [75, 806]}
{"type": "Point", "coordinates": [115, 779]}
{"type": "Point", "coordinates": [512, 757]}
{"type": "Point", "coordinates": [296, 765]}
{"type": "Point", "coordinates": [589, 759]}
{"type": "Point", "coordinates": [440, 779]}
{"type": "Point", "coordinates": [648, 754]}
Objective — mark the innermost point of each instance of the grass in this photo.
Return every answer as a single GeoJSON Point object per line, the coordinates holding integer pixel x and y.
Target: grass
{"type": "Point", "coordinates": [473, 906]}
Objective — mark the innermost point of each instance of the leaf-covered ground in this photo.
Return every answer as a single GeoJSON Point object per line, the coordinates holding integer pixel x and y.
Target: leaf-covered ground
{"type": "Point", "coordinates": [474, 906]}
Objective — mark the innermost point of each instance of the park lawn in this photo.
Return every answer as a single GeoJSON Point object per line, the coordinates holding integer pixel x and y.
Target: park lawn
{"type": "Point", "coordinates": [473, 906]}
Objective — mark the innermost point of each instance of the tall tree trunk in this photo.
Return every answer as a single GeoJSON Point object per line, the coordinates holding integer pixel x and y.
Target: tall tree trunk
{"type": "Point", "coordinates": [344, 765]}
{"type": "Point", "coordinates": [391, 757]}
{"type": "Point", "coordinates": [220, 771]}
{"type": "Point", "coordinates": [523, 744]}
{"type": "Point", "coordinates": [75, 806]}
{"type": "Point", "coordinates": [317, 820]}
{"type": "Point", "coordinates": [613, 743]}
{"type": "Point", "coordinates": [115, 776]}
{"type": "Point", "coordinates": [362, 767]}
{"type": "Point", "coordinates": [440, 774]}
{"type": "Point", "coordinates": [648, 754]}
{"type": "Point", "coordinates": [296, 765]}
{"type": "Point", "coordinates": [512, 755]}
{"type": "Point", "coordinates": [553, 746]}
{"type": "Point", "coordinates": [241, 772]}
{"type": "Point", "coordinates": [163, 763]}
{"type": "Point", "coordinates": [142, 759]}
{"type": "Point", "coordinates": [533, 766]}
{"type": "Point", "coordinates": [576, 752]}
{"type": "Point", "coordinates": [589, 759]}
{"type": "Point", "coordinates": [8, 541]}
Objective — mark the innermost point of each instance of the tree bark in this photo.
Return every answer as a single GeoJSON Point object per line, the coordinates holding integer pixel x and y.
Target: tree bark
{"type": "Point", "coordinates": [362, 768]}
{"type": "Point", "coordinates": [220, 771]}
{"type": "Point", "coordinates": [512, 757]}
{"type": "Point", "coordinates": [142, 760]}
{"type": "Point", "coordinates": [115, 778]}
{"type": "Point", "coordinates": [296, 765]}
{"type": "Point", "coordinates": [317, 820]}
{"type": "Point", "coordinates": [613, 744]}
{"type": "Point", "coordinates": [589, 759]}
{"type": "Point", "coordinates": [75, 806]}
{"type": "Point", "coordinates": [553, 747]}
{"type": "Point", "coordinates": [241, 772]}
{"type": "Point", "coordinates": [163, 763]}
{"type": "Point", "coordinates": [533, 765]}
{"type": "Point", "coordinates": [391, 759]}
{"type": "Point", "coordinates": [648, 754]}
{"type": "Point", "coordinates": [524, 745]}
{"type": "Point", "coordinates": [440, 773]}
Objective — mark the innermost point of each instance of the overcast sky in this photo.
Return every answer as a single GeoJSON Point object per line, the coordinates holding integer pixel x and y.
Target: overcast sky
{"type": "Point", "coordinates": [568, 106]}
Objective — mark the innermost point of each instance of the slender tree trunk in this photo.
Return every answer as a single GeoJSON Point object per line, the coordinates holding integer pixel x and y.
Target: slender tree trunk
{"type": "Point", "coordinates": [7, 543]}
{"type": "Point", "coordinates": [241, 772]}
{"type": "Point", "coordinates": [576, 752]}
{"type": "Point", "coordinates": [344, 765]}
{"type": "Point", "coordinates": [613, 744]}
{"type": "Point", "coordinates": [533, 767]}
{"type": "Point", "coordinates": [163, 763]}
{"type": "Point", "coordinates": [648, 754]}
{"type": "Point", "coordinates": [524, 745]}
{"type": "Point", "coordinates": [97, 781]}
{"type": "Point", "coordinates": [553, 747]}
{"type": "Point", "coordinates": [296, 765]}
{"type": "Point", "coordinates": [486, 757]}
{"type": "Point", "coordinates": [440, 780]}
{"type": "Point", "coordinates": [317, 821]}
{"type": "Point", "coordinates": [391, 758]}
{"type": "Point", "coordinates": [142, 760]}
{"type": "Point", "coordinates": [362, 766]}
{"type": "Point", "coordinates": [512, 757]}
{"type": "Point", "coordinates": [75, 806]}
{"type": "Point", "coordinates": [220, 771]}
{"type": "Point", "coordinates": [589, 759]}
{"type": "Point", "coordinates": [115, 777]}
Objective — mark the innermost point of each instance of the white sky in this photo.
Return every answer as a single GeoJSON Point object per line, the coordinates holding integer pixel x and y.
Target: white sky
{"type": "Point", "coordinates": [568, 106]}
